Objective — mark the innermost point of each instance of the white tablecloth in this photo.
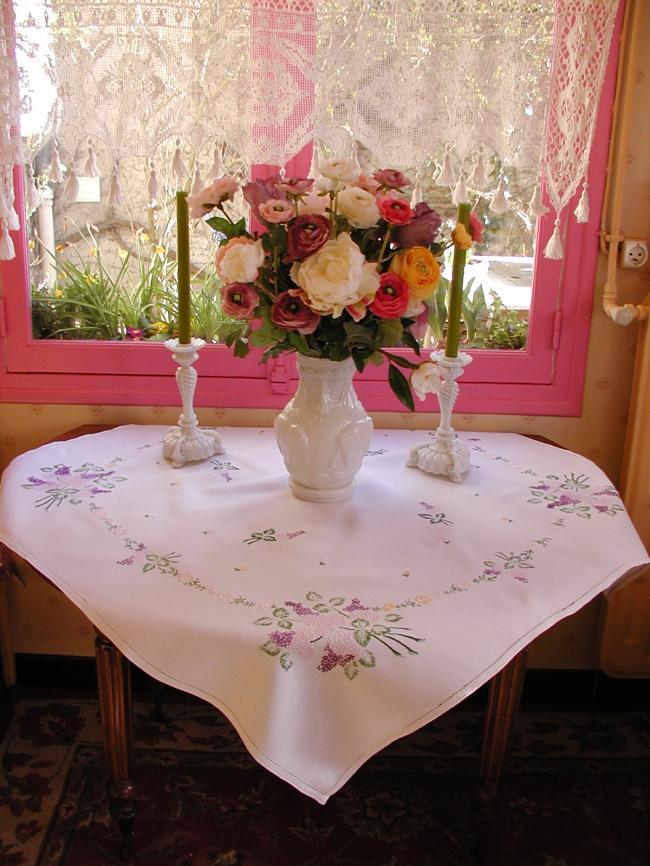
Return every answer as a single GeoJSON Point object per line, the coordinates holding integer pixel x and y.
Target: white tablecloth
{"type": "Point", "coordinates": [322, 631]}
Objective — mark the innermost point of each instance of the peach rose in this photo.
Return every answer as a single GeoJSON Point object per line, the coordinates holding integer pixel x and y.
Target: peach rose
{"type": "Point", "coordinates": [239, 259]}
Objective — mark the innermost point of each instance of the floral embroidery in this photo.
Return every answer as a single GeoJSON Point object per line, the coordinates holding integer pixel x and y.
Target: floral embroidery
{"type": "Point", "coordinates": [326, 630]}
{"type": "Point", "coordinates": [438, 518]}
{"type": "Point", "coordinates": [578, 502]}
{"type": "Point", "coordinates": [95, 480]}
{"type": "Point", "coordinates": [264, 535]}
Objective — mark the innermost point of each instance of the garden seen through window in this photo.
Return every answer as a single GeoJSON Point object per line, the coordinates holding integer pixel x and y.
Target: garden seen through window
{"type": "Point", "coordinates": [117, 116]}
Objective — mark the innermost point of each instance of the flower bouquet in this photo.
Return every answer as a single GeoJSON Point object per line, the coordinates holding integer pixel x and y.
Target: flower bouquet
{"type": "Point", "coordinates": [341, 270]}
{"type": "Point", "coordinates": [339, 274]}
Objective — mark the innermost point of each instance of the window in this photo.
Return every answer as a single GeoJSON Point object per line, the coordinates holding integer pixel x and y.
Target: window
{"type": "Point", "coordinates": [545, 377]}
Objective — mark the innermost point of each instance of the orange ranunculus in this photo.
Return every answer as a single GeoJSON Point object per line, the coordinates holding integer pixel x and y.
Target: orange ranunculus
{"type": "Point", "coordinates": [420, 268]}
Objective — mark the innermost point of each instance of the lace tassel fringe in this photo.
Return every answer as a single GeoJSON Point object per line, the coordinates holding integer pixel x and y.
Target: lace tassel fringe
{"type": "Point", "coordinates": [460, 192]}
{"type": "Point", "coordinates": [478, 178]}
{"type": "Point", "coordinates": [416, 198]}
{"type": "Point", "coordinates": [179, 169]}
{"type": "Point", "coordinates": [115, 191]}
{"type": "Point", "coordinates": [153, 190]}
{"type": "Point", "coordinates": [31, 192]}
{"type": "Point", "coordinates": [582, 211]}
{"type": "Point", "coordinates": [536, 207]}
{"type": "Point", "coordinates": [447, 176]}
{"type": "Point", "coordinates": [91, 168]}
{"type": "Point", "coordinates": [499, 202]}
{"type": "Point", "coordinates": [71, 188]}
{"type": "Point", "coordinates": [56, 172]}
{"type": "Point", "coordinates": [197, 184]}
{"type": "Point", "coordinates": [7, 250]}
{"type": "Point", "coordinates": [553, 249]}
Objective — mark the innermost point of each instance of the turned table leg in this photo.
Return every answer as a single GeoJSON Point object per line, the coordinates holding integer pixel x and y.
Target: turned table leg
{"type": "Point", "coordinates": [503, 703]}
{"type": "Point", "coordinates": [114, 681]}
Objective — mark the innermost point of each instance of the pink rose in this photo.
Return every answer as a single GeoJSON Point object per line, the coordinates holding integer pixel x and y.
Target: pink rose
{"type": "Point", "coordinates": [395, 210]}
{"type": "Point", "coordinates": [212, 196]}
{"type": "Point", "coordinates": [258, 191]}
{"type": "Point", "coordinates": [367, 183]}
{"type": "Point", "coordinates": [392, 297]}
{"type": "Point", "coordinates": [292, 313]}
{"type": "Point", "coordinates": [306, 235]}
{"type": "Point", "coordinates": [313, 203]}
{"type": "Point", "coordinates": [239, 300]}
{"type": "Point", "coordinates": [296, 185]}
{"type": "Point", "coordinates": [276, 210]}
{"type": "Point", "coordinates": [391, 177]}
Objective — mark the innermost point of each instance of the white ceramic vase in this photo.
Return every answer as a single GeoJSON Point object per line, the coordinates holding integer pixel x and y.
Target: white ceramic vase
{"type": "Point", "coordinates": [324, 431]}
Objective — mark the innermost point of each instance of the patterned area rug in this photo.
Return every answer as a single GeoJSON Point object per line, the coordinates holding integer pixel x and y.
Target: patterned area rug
{"type": "Point", "coordinates": [576, 795]}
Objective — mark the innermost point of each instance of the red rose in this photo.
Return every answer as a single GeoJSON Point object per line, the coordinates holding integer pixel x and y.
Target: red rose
{"type": "Point", "coordinates": [292, 313]}
{"type": "Point", "coordinates": [395, 210]}
{"type": "Point", "coordinates": [475, 228]}
{"type": "Point", "coordinates": [392, 297]}
{"type": "Point", "coordinates": [306, 235]}
{"type": "Point", "coordinates": [239, 300]}
{"type": "Point", "coordinates": [391, 177]}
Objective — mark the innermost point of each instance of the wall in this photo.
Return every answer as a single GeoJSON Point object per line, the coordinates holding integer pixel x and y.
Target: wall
{"type": "Point", "coordinates": [44, 621]}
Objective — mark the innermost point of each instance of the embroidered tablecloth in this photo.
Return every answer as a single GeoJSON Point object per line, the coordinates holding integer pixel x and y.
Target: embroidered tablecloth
{"type": "Point", "coordinates": [322, 631]}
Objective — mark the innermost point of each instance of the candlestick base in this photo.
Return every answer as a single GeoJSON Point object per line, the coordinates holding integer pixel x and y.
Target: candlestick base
{"type": "Point", "coordinates": [446, 454]}
{"type": "Point", "coordinates": [187, 442]}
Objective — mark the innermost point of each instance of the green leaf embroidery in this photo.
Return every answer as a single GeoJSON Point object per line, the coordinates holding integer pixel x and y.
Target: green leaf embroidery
{"type": "Point", "coordinates": [264, 620]}
{"type": "Point", "coordinates": [286, 661]}
{"type": "Point", "coordinates": [271, 648]}
{"type": "Point", "coordinates": [393, 617]}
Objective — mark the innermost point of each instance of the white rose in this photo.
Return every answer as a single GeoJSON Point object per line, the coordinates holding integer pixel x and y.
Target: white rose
{"type": "Point", "coordinates": [359, 207]}
{"type": "Point", "coordinates": [426, 379]}
{"type": "Point", "coordinates": [238, 260]}
{"type": "Point", "coordinates": [337, 276]}
{"type": "Point", "coordinates": [337, 172]}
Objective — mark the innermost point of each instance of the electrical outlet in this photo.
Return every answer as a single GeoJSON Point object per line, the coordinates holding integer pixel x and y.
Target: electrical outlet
{"type": "Point", "coordinates": [634, 253]}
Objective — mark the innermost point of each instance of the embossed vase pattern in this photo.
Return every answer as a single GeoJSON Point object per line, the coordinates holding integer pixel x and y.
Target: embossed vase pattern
{"type": "Point", "coordinates": [323, 433]}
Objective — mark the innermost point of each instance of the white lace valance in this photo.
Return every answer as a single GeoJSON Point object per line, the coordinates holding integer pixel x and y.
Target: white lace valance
{"type": "Point", "coordinates": [474, 93]}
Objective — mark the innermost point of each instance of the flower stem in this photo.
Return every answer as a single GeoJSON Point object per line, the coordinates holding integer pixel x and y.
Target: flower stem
{"type": "Point", "coordinates": [383, 246]}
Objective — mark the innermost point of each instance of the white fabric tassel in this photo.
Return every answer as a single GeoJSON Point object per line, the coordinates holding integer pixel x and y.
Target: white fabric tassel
{"type": "Point", "coordinates": [13, 223]}
{"type": "Point", "coordinates": [153, 189]}
{"type": "Point", "coordinates": [179, 169]}
{"type": "Point", "coordinates": [7, 210]}
{"type": "Point", "coordinates": [91, 168]}
{"type": "Point", "coordinates": [460, 192]}
{"type": "Point", "coordinates": [416, 198]}
{"type": "Point", "coordinates": [536, 207]}
{"type": "Point", "coordinates": [31, 192]}
{"type": "Point", "coordinates": [197, 184]}
{"type": "Point", "coordinates": [56, 172]}
{"type": "Point", "coordinates": [582, 211]}
{"type": "Point", "coordinates": [499, 202]}
{"type": "Point", "coordinates": [553, 249]}
{"type": "Point", "coordinates": [7, 250]}
{"type": "Point", "coordinates": [218, 167]}
{"type": "Point", "coordinates": [71, 188]}
{"type": "Point", "coordinates": [447, 176]}
{"type": "Point", "coordinates": [115, 191]}
{"type": "Point", "coordinates": [479, 178]}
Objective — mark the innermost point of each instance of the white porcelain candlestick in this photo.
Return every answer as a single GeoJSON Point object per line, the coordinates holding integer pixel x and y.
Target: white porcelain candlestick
{"type": "Point", "coordinates": [187, 441]}
{"type": "Point", "coordinates": [446, 454]}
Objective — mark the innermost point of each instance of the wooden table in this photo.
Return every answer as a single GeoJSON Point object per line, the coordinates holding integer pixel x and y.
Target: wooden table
{"type": "Point", "coordinates": [116, 710]}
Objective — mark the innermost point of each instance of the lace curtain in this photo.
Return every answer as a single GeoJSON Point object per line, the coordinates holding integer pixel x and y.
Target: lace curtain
{"type": "Point", "coordinates": [466, 92]}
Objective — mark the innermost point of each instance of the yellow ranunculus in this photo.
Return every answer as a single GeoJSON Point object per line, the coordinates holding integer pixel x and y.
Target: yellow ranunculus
{"type": "Point", "coordinates": [461, 237]}
{"type": "Point", "coordinates": [420, 268]}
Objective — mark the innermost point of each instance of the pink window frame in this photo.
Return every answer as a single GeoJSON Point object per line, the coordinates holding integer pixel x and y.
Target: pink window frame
{"type": "Point", "coordinates": [544, 379]}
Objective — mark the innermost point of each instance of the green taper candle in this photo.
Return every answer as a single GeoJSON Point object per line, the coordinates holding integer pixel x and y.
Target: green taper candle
{"type": "Point", "coordinates": [456, 291]}
{"type": "Point", "coordinates": [183, 262]}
